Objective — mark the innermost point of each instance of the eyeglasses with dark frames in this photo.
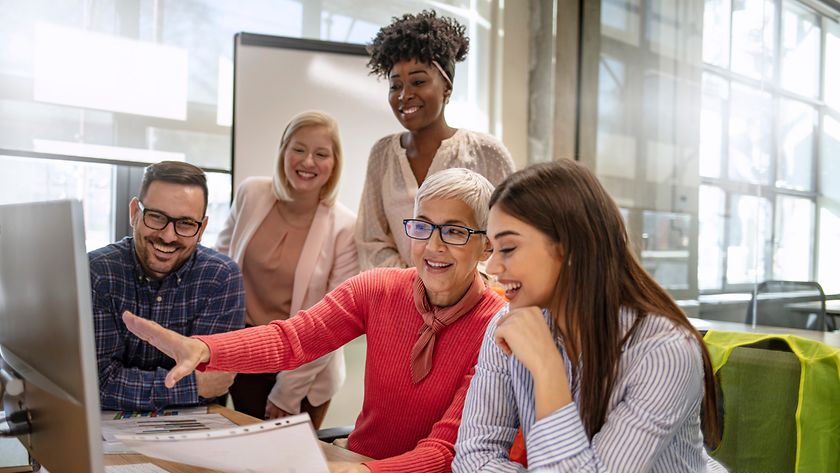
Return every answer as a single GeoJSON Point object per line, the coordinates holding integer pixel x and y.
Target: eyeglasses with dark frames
{"type": "Point", "coordinates": [449, 234]}
{"type": "Point", "coordinates": [157, 220]}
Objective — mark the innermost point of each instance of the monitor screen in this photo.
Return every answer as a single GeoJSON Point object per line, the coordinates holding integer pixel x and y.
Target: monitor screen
{"type": "Point", "coordinates": [46, 333]}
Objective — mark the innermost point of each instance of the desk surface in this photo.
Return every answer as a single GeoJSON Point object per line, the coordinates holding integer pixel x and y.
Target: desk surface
{"type": "Point", "coordinates": [332, 452]}
{"type": "Point", "coordinates": [829, 338]}
{"type": "Point", "coordinates": [832, 306]}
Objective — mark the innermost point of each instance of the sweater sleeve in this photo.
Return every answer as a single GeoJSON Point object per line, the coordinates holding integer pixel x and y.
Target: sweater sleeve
{"type": "Point", "coordinates": [374, 237]}
{"type": "Point", "coordinates": [435, 452]}
{"type": "Point", "coordinates": [286, 344]}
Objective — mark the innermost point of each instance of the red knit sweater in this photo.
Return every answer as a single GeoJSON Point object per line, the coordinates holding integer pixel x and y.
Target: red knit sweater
{"type": "Point", "coordinates": [406, 427]}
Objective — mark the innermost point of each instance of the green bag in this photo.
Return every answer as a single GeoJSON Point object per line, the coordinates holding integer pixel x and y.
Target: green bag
{"type": "Point", "coordinates": [817, 404]}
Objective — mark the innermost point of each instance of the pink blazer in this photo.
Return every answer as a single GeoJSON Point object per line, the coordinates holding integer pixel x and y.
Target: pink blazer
{"type": "Point", "coordinates": [328, 258]}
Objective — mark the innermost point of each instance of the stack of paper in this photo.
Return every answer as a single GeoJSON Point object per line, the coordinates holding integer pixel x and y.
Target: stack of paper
{"type": "Point", "coordinates": [286, 445]}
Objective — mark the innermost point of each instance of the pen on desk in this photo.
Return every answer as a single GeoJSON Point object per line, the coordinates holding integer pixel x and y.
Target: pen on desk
{"type": "Point", "coordinates": [173, 430]}
{"type": "Point", "coordinates": [168, 421]}
{"type": "Point", "coordinates": [173, 427]}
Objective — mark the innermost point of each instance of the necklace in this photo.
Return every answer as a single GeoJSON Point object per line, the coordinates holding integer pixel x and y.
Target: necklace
{"type": "Point", "coordinates": [292, 220]}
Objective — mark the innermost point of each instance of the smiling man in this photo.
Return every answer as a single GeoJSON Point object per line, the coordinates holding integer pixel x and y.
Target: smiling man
{"type": "Point", "coordinates": [162, 273]}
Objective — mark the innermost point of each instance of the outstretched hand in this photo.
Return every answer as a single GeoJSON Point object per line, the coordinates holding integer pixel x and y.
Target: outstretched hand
{"type": "Point", "coordinates": [187, 352]}
{"type": "Point", "coordinates": [348, 467]}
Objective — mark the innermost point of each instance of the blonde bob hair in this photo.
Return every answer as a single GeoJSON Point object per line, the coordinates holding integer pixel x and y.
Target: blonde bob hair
{"type": "Point", "coordinates": [305, 119]}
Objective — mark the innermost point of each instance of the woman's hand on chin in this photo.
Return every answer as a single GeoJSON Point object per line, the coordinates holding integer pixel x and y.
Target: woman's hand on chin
{"type": "Point", "coordinates": [523, 332]}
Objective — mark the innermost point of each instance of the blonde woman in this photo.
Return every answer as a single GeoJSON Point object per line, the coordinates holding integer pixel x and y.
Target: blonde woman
{"type": "Point", "coordinates": [294, 243]}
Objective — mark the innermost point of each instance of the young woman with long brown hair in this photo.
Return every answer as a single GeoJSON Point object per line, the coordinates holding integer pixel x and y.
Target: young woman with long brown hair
{"type": "Point", "coordinates": [607, 373]}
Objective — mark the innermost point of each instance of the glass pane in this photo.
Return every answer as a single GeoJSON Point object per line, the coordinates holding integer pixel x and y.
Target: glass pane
{"type": "Point", "coordinates": [152, 80]}
{"type": "Point", "coordinates": [750, 135]}
{"type": "Point", "coordinates": [749, 239]}
{"type": "Point", "coordinates": [712, 115]}
{"type": "Point", "coordinates": [829, 163]}
{"type": "Point", "coordinates": [800, 66]}
{"type": "Point", "coordinates": [33, 180]}
{"type": "Point", "coordinates": [832, 65]}
{"type": "Point", "coordinates": [665, 247]}
{"type": "Point", "coordinates": [206, 29]}
{"type": "Point", "coordinates": [753, 27]}
{"type": "Point", "coordinates": [716, 32]}
{"type": "Point", "coordinates": [346, 29]}
{"type": "Point", "coordinates": [712, 217]}
{"type": "Point", "coordinates": [672, 28]}
{"type": "Point", "coordinates": [794, 238]}
{"type": "Point", "coordinates": [621, 20]}
{"type": "Point", "coordinates": [218, 206]}
{"type": "Point", "coordinates": [828, 273]}
{"type": "Point", "coordinates": [616, 146]}
{"type": "Point", "coordinates": [797, 122]}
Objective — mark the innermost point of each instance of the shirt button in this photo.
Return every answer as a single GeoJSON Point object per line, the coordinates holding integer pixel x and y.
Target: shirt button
{"type": "Point", "coordinates": [158, 298]}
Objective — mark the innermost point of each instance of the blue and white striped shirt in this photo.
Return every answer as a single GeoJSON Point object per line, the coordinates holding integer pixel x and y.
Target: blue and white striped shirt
{"type": "Point", "coordinates": [653, 417]}
{"type": "Point", "coordinates": [204, 296]}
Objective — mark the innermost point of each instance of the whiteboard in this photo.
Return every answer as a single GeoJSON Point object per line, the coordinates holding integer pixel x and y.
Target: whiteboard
{"type": "Point", "coordinates": [276, 77]}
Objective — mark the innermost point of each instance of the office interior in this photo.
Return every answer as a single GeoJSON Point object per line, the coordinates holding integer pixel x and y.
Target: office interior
{"type": "Point", "coordinates": [715, 124]}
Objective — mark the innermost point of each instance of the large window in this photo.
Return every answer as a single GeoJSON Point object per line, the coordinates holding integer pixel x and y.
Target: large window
{"type": "Point", "coordinates": [91, 91]}
{"type": "Point", "coordinates": [760, 127]}
{"type": "Point", "coordinates": [718, 133]}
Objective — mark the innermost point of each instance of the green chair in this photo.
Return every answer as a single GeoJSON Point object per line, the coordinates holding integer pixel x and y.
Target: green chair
{"type": "Point", "coordinates": [760, 392]}
{"type": "Point", "coordinates": [780, 400]}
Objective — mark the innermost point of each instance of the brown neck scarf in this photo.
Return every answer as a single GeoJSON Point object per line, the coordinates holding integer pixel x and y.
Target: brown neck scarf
{"type": "Point", "coordinates": [435, 319]}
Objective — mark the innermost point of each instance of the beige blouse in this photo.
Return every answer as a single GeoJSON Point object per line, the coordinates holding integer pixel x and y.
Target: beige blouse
{"type": "Point", "coordinates": [390, 187]}
{"type": "Point", "coordinates": [268, 268]}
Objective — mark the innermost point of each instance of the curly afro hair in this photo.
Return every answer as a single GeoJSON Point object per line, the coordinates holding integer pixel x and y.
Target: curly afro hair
{"type": "Point", "coordinates": [424, 37]}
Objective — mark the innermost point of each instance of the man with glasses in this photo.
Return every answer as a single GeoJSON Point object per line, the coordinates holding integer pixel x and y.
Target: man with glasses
{"type": "Point", "coordinates": [163, 274]}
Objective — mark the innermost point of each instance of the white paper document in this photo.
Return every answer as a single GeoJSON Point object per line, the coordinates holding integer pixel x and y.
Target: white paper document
{"type": "Point", "coordinates": [157, 425]}
{"type": "Point", "coordinates": [284, 445]}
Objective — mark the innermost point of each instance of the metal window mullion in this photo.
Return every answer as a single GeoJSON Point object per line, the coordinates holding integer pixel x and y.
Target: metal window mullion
{"type": "Point", "coordinates": [816, 169]}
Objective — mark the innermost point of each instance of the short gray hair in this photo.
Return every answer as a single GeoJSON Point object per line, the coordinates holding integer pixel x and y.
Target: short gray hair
{"type": "Point", "coordinates": [461, 184]}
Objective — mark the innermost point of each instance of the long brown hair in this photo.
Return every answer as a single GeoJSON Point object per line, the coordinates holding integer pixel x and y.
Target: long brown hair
{"type": "Point", "coordinates": [600, 276]}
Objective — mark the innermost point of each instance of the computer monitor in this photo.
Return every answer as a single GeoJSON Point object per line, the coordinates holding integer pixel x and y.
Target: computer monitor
{"type": "Point", "coordinates": [46, 334]}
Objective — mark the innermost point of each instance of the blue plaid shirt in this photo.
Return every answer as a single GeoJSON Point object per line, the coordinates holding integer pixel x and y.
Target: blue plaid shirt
{"type": "Point", "coordinates": [204, 296]}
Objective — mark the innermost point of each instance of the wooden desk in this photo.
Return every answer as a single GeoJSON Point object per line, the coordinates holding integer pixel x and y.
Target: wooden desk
{"type": "Point", "coordinates": [332, 452]}
{"type": "Point", "coordinates": [829, 338]}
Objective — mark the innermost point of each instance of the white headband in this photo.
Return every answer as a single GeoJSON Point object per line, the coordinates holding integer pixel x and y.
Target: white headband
{"type": "Point", "coordinates": [445, 75]}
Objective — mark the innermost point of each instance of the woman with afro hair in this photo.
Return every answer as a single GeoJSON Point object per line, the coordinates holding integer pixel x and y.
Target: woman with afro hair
{"type": "Point", "coordinates": [417, 54]}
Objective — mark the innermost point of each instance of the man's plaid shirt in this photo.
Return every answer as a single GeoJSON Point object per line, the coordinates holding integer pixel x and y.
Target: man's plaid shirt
{"type": "Point", "coordinates": [203, 296]}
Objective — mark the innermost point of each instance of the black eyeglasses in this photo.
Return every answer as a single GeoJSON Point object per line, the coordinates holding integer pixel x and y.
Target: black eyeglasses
{"type": "Point", "coordinates": [156, 220]}
{"type": "Point", "coordinates": [449, 234]}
